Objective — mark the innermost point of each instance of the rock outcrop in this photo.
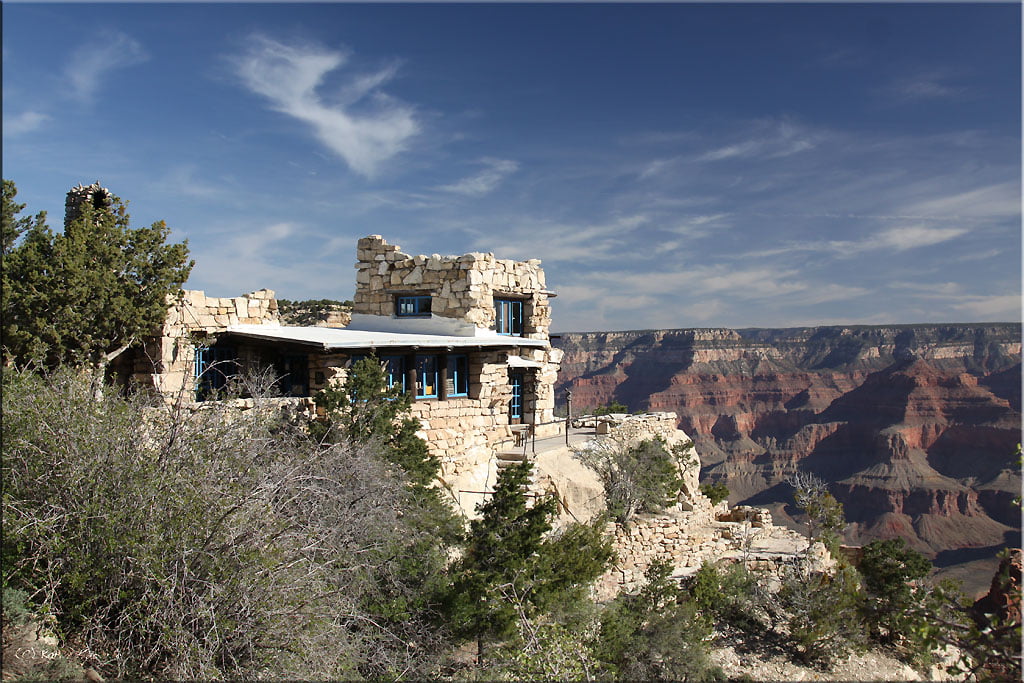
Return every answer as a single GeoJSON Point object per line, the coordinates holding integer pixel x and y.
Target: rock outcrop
{"type": "Point", "coordinates": [915, 426]}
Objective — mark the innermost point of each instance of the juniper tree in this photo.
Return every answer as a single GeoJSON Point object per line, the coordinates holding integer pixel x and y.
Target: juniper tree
{"type": "Point", "coordinates": [87, 294]}
{"type": "Point", "coordinates": [513, 569]}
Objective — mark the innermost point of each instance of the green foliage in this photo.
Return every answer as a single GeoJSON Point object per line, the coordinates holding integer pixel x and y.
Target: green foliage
{"type": "Point", "coordinates": [824, 613]}
{"type": "Point", "coordinates": [825, 517]}
{"type": "Point", "coordinates": [729, 595]}
{"type": "Point", "coordinates": [637, 478]}
{"type": "Point", "coordinates": [512, 569]}
{"type": "Point", "coordinates": [364, 410]}
{"type": "Point", "coordinates": [84, 295]}
{"type": "Point", "coordinates": [656, 634]}
{"type": "Point", "coordinates": [204, 544]}
{"type": "Point", "coordinates": [716, 492]}
{"type": "Point", "coordinates": [613, 407]}
{"type": "Point", "coordinates": [13, 226]}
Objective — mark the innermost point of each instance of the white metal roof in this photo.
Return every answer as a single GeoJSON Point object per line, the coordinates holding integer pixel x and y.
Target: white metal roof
{"type": "Point", "coordinates": [330, 338]}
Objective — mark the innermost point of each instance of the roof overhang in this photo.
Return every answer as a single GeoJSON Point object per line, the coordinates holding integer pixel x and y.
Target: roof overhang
{"type": "Point", "coordinates": [338, 339]}
{"type": "Point", "coordinates": [519, 362]}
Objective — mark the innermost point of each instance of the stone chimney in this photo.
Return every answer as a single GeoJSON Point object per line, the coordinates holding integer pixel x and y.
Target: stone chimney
{"type": "Point", "coordinates": [96, 195]}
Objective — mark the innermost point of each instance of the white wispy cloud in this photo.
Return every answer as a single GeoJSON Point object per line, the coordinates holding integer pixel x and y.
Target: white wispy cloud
{"type": "Point", "coordinates": [995, 200]}
{"type": "Point", "coordinates": [486, 181]}
{"type": "Point", "coordinates": [92, 62]}
{"type": "Point", "coordinates": [1000, 307]}
{"type": "Point", "coordinates": [289, 76]}
{"type": "Point", "coordinates": [767, 138]}
{"type": "Point", "coordinates": [24, 122]}
{"type": "Point", "coordinates": [925, 85]}
{"type": "Point", "coordinates": [899, 238]}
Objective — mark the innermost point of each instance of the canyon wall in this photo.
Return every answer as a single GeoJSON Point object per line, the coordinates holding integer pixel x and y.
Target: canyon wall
{"type": "Point", "coordinates": [914, 426]}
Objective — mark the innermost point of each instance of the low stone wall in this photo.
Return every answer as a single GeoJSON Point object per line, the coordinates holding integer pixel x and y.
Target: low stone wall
{"type": "Point", "coordinates": [688, 539]}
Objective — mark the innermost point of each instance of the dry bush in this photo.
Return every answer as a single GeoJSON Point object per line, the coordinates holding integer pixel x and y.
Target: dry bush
{"type": "Point", "coordinates": [200, 543]}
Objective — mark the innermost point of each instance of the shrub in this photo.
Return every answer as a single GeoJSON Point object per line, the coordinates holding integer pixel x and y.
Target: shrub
{"type": "Point", "coordinates": [655, 634]}
{"type": "Point", "coordinates": [637, 478]}
{"type": "Point", "coordinates": [823, 612]}
{"type": "Point", "coordinates": [716, 492]}
{"type": "Point", "coordinates": [202, 543]}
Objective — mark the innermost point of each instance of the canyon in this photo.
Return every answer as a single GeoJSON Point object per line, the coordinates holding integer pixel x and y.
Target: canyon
{"type": "Point", "coordinates": [914, 427]}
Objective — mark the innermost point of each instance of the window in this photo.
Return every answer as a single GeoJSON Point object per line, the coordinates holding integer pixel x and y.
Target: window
{"type": "Point", "coordinates": [394, 368]}
{"type": "Point", "coordinates": [214, 366]}
{"type": "Point", "coordinates": [458, 376]}
{"type": "Point", "coordinates": [508, 316]}
{"type": "Point", "coordinates": [426, 376]}
{"type": "Point", "coordinates": [410, 306]}
{"type": "Point", "coordinates": [428, 373]}
{"type": "Point", "coordinates": [294, 375]}
{"type": "Point", "coordinates": [515, 407]}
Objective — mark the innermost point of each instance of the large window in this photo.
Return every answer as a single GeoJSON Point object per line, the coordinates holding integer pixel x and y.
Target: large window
{"type": "Point", "coordinates": [508, 315]}
{"type": "Point", "coordinates": [214, 367]}
{"type": "Point", "coordinates": [412, 306]}
{"type": "Point", "coordinates": [293, 372]}
{"type": "Point", "coordinates": [428, 373]}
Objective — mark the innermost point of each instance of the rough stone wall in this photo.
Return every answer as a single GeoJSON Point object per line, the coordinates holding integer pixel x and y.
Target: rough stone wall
{"type": "Point", "coordinates": [464, 432]}
{"type": "Point", "coordinates": [461, 287]}
{"type": "Point", "coordinates": [688, 539]}
{"type": "Point", "coordinates": [166, 362]}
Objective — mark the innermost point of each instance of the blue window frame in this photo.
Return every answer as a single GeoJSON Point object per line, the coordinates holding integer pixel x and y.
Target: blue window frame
{"type": "Point", "coordinates": [458, 376]}
{"type": "Point", "coordinates": [213, 367]}
{"type": "Point", "coordinates": [426, 376]}
{"type": "Point", "coordinates": [515, 406]}
{"type": "Point", "coordinates": [394, 367]}
{"type": "Point", "coordinates": [410, 306]}
{"type": "Point", "coordinates": [508, 318]}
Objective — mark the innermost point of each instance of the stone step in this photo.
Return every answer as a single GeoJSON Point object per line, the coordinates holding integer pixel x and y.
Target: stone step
{"type": "Point", "coordinates": [511, 457]}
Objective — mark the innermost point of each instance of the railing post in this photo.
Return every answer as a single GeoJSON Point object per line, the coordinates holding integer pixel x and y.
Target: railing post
{"type": "Point", "coordinates": [568, 414]}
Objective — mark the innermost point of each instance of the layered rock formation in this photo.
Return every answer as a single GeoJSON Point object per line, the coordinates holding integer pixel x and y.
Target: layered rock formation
{"type": "Point", "coordinates": [914, 426]}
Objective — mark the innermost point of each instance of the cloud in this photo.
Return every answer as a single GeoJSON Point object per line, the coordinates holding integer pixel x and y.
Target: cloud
{"type": "Point", "coordinates": [771, 139]}
{"type": "Point", "coordinates": [486, 181]}
{"type": "Point", "coordinates": [900, 238]}
{"type": "Point", "coordinates": [1006, 307]}
{"type": "Point", "coordinates": [252, 245]}
{"type": "Point", "coordinates": [289, 76]}
{"type": "Point", "coordinates": [926, 85]}
{"type": "Point", "coordinates": [93, 61]}
{"type": "Point", "coordinates": [24, 122]}
{"type": "Point", "coordinates": [996, 200]}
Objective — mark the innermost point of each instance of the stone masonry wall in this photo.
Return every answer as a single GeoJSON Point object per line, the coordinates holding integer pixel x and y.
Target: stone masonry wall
{"type": "Point", "coordinates": [166, 362]}
{"type": "Point", "coordinates": [462, 287]}
{"type": "Point", "coordinates": [465, 432]}
{"type": "Point", "coordinates": [688, 539]}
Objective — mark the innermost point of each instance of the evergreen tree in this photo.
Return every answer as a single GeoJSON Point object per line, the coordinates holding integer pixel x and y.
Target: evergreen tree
{"type": "Point", "coordinates": [513, 570]}
{"type": "Point", "coordinates": [89, 293]}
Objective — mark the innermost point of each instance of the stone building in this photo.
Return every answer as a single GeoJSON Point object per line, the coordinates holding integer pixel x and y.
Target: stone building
{"type": "Point", "coordinates": [466, 335]}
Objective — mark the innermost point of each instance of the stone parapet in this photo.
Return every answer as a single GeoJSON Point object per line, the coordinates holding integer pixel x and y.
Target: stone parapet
{"type": "Point", "coordinates": [461, 287]}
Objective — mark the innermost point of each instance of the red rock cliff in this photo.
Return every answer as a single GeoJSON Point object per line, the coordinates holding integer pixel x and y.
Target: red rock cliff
{"type": "Point", "coordinates": [915, 426]}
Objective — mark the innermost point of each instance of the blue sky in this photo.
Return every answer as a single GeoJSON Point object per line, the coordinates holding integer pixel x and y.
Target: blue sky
{"type": "Point", "coordinates": [673, 165]}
